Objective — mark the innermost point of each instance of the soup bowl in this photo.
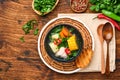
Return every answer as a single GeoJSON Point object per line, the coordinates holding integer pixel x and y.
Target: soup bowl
{"type": "Point", "coordinates": [73, 53]}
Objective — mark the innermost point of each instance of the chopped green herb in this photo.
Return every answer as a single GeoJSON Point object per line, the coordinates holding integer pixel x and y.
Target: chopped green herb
{"type": "Point", "coordinates": [74, 53]}
{"type": "Point", "coordinates": [36, 31]}
{"type": "Point", "coordinates": [110, 5]}
{"type": "Point", "coordinates": [56, 30]}
{"type": "Point", "coordinates": [29, 26]}
{"type": "Point", "coordinates": [68, 58]}
{"type": "Point", "coordinates": [72, 29]}
{"type": "Point", "coordinates": [44, 5]}
{"type": "Point", "coordinates": [22, 39]}
{"type": "Point", "coordinates": [64, 43]}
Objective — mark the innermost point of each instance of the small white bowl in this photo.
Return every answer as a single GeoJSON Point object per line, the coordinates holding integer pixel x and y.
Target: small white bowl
{"type": "Point", "coordinates": [39, 13]}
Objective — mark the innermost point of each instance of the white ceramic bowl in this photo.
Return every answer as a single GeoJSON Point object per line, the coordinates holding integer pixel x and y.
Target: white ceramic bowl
{"type": "Point", "coordinates": [52, 68]}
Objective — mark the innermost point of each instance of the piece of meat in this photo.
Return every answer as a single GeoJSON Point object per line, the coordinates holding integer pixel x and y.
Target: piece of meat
{"type": "Point", "coordinates": [61, 53]}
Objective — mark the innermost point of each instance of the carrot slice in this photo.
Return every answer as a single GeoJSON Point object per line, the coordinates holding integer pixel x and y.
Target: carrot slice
{"type": "Point", "coordinates": [66, 32]}
{"type": "Point", "coordinates": [62, 35]}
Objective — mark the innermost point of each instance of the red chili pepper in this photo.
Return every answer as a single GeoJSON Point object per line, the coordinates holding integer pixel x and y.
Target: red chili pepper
{"type": "Point", "coordinates": [57, 41]}
{"type": "Point", "coordinates": [67, 50]}
{"type": "Point", "coordinates": [102, 16]}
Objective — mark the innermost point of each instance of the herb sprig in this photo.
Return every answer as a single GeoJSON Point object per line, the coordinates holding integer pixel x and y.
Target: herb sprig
{"type": "Point", "coordinates": [28, 27]}
{"type": "Point", "coordinates": [110, 5]}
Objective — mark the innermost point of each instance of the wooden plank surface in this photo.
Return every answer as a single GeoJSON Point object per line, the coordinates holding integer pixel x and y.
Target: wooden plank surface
{"type": "Point", "coordinates": [20, 61]}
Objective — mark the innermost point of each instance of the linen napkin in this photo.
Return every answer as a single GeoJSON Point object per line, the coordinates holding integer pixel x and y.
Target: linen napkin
{"type": "Point", "coordinates": [95, 64]}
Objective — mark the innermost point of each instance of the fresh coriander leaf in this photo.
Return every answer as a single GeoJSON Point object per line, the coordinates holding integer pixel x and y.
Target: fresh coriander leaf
{"type": "Point", "coordinates": [22, 39]}
{"type": "Point", "coordinates": [67, 58]}
{"type": "Point", "coordinates": [36, 31]}
{"type": "Point", "coordinates": [71, 29]}
{"type": "Point", "coordinates": [102, 6]}
{"type": "Point", "coordinates": [93, 1]}
{"type": "Point", "coordinates": [92, 7]}
{"type": "Point", "coordinates": [29, 26]}
{"type": "Point", "coordinates": [74, 53]}
{"type": "Point", "coordinates": [33, 22]}
{"type": "Point", "coordinates": [63, 43]}
{"type": "Point", "coordinates": [97, 7]}
{"type": "Point", "coordinates": [57, 29]}
{"type": "Point", "coordinates": [26, 29]}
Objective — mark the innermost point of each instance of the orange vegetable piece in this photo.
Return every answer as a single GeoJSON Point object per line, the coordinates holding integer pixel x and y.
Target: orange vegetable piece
{"type": "Point", "coordinates": [62, 35]}
{"type": "Point", "coordinates": [65, 32]}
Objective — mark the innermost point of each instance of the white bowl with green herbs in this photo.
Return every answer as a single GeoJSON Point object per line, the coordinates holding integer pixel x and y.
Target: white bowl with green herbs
{"type": "Point", "coordinates": [43, 7]}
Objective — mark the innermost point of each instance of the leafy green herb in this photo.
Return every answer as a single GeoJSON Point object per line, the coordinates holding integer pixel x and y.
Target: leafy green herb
{"type": "Point", "coordinates": [102, 6]}
{"type": "Point", "coordinates": [110, 5]}
{"type": "Point", "coordinates": [44, 5]}
{"type": "Point", "coordinates": [50, 38]}
{"type": "Point", "coordinates": [56, 30]}
{"type": "Point", "coordinates": [74, 53]}
{"type": "Point", "coordinates": [93, 7]}
{"type": "Point", "coordinates": [63, 43]}
{"type": "Point", "coordinates": [29, 26]}
{"type": "Point", "coordinates": [93, 1]}
{"type": "Point", "coordinates": [67, 58]}
{"type": "Point", "coordinates": [36, 31]}
{"type": "Point", "coordinates": [71, 29]}
{"type": "Point", "coordinates": [22, 39]}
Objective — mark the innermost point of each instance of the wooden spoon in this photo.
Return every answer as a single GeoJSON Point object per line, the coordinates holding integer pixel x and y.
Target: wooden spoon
{"type": "Point", "coordinates": [99, 31]}
{"type": "Point", "coordinates": [38, 12]}
{"type": "Point", "coordinates": [107, 33]}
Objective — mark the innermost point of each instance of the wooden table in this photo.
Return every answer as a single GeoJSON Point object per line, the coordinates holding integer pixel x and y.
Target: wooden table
{"type": "Point", "coordinates": [20, 61]}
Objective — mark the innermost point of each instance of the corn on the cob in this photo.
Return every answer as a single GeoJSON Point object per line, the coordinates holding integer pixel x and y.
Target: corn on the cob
{"type": "Point", "coordinates": [72, 43]}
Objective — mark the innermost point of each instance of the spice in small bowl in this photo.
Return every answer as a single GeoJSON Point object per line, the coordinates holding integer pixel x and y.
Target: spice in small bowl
{"type": "Point", "coordinates": [43, 7]}
{"type": "Point", "coordinates": [79, 5]}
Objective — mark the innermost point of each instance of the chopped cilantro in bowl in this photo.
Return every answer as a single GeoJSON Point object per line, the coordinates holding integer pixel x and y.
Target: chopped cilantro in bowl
{"type": "Point", "coordinates": [44, 6]}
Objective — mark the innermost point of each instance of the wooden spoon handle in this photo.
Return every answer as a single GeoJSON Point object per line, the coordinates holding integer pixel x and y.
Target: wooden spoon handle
{"type": "Point", "coordinates": [107, 70]}
{"type": "Point", "coordinates": [102, 60]}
